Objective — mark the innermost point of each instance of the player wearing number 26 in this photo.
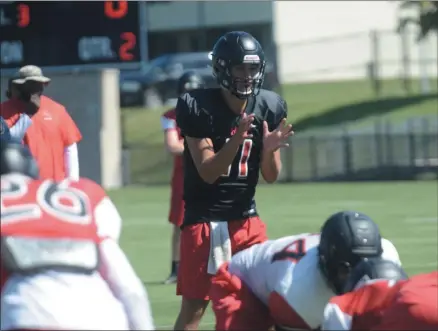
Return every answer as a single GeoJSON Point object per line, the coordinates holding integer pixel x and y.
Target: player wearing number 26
{"type": "Point", "coordinates": [61, 265]}
{"type": "Point", "coordinates": [288, 282]}
{"type": "Point", "coordinates": [230, 134]}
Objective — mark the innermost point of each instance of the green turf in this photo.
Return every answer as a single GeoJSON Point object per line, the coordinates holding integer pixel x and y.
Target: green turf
{"type": "Point", "coordinates": [311, 107]}
{"type": "Point", "coordinates": [405, 211]}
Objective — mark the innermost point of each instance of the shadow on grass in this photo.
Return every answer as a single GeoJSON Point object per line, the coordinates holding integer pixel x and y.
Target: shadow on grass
{"type": "Point", "coordinates": [154, 283]}
{"type": "Point", "coordinates": [359, 111]}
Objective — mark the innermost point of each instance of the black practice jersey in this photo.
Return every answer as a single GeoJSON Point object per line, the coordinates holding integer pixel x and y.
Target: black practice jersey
{"type": "Point", "coordinates": [204, 114]}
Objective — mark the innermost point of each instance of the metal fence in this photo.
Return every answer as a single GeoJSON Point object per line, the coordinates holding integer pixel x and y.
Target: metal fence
{"type": "Point", "coordinates": [382, 151]}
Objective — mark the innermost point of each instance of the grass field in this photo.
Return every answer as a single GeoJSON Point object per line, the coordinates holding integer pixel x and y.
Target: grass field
{"type": "Point", "coordinates": [405, 211]}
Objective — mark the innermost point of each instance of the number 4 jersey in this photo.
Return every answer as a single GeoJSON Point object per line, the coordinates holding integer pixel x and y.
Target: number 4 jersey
{"type": "Point", "coordinates": [284, 275]}
{"type": "Point", "coordinates": [61, 266]}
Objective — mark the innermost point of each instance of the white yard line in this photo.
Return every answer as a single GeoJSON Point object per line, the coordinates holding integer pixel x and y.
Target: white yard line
{"type": "Point", "coordinates": [417, 220]}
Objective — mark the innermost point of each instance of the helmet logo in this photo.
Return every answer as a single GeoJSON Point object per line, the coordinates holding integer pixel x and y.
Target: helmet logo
{"type": "Point", "coordinates": [251, 58]}
{"type": "Point", "coordinates": [362, 233]}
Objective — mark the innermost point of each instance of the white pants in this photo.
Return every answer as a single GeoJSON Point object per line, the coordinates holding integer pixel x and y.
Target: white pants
{"type": "Point", "coordinates": [54, 300]}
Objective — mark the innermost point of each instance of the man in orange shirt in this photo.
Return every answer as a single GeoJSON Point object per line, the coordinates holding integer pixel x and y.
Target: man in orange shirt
{"type": "Point", "coordinates": [42, 124]}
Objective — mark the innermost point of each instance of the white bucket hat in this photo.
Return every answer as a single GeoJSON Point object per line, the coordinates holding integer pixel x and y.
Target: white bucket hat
{"type": "Point", "coordinates": [30, 73]}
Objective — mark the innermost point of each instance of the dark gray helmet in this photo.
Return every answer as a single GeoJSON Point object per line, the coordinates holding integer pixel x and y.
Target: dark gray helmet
{"type": "Point", "coordinates": [189, 81]}
{"type": "Point", "coordinates": [374, 268]}
{"type": "Point", "coordinates": [347, 238]}
{"type": "Point", "coordinates": [15, 157]}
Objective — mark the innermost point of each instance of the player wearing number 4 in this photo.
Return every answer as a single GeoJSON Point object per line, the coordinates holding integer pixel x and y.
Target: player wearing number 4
{"type": "Point", "coordinates": [288, 282]}
{"type": "Point", "coordinates": [230, 134]}
{"type": "Point", "coordinates": [61, 265]}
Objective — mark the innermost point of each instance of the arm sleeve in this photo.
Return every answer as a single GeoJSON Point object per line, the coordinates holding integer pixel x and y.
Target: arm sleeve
{"type": "Point", "coordinates": [71, 161]}
{"type": "Point", "coordinates": [167, 123]}
{"type": "Point", "coordinates": [125, 285]}
{"type": "Point", "coordinates": [390, 252]}
{"type": "Point", "coordinates": [335, 318]}
{"type": "Point", "coordinates": [69, 131]}
{"type": "Point", "coordinates": [278, 115]}
{"type": "Point", "coordinates": [192, 121]}
{"type": "Point", "coordinates": [108, 220]}
{"type": "Point", "coordinates": [19, 128]}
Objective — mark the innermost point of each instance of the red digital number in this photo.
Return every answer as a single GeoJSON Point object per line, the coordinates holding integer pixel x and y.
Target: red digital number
{"type": "Point", "coordinates": [116, 9]}
{"type": "Point", "coordinates": [243, 161]}
{"type": "Point", "coordinates": [130, 40]}
{"type": "Point", "coordinates": [23, 16]}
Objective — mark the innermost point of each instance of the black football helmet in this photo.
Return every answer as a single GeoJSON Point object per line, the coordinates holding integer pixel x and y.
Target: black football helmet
{"type": "Point", "coordinates": [347, 237]}
{"type": "Point", "coordinates": [190, 80]}
{"type": "Point", "coordinates": [235, 49]}
{"type": "Point", "coordinates": [16, 158]}
{"type": "Point", "coordinates": [373, 268]}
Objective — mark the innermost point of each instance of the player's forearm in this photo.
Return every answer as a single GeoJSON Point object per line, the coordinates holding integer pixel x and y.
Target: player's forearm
{"type": "Point", "coordinates": [217, 165]}
{"type": "Point", "coordinates": [125, 285]}
{"type": "Point", "coordinates": [270, 166]}
{"type": "Point", "coordinates": [176, 149]}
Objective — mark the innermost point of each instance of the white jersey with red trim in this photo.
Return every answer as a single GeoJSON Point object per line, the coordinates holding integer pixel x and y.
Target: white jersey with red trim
{"type": "Point", "coordinates": [284, 274]}
{"type": "Point", "coordinates": [64, 268]}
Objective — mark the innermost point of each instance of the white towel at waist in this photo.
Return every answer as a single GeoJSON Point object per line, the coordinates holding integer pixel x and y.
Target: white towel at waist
{"type": "Point", "coordinates": [220, 246]}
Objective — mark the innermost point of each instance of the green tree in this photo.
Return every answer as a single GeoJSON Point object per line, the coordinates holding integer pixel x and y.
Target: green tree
{"type": "Point", "coordinates": [427, 18]}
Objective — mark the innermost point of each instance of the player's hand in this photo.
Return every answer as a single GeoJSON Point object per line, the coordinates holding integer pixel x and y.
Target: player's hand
{"type": "Point", "coordinates": [246, 123]}
{"type": "Point", "coordinates": [273, 140]}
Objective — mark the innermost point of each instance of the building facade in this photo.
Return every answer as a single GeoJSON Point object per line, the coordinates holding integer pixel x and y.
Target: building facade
{"type": "Point", "coordinates": [309, 40]}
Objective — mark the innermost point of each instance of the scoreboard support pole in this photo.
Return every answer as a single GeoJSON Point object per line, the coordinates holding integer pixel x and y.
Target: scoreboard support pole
{"type": "Point", "coordinates": [143, 19]}
{"type": "Point", "coordinates": [92, 99]}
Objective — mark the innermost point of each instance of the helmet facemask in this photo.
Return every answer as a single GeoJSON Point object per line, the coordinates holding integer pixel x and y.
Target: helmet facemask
{"type": "Point", "coordinates": [336, 267]}
{"type": "Point", "coordinates": [243, 79]}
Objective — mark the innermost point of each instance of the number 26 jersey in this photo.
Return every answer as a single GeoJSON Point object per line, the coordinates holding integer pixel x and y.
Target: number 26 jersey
{"type": "Point", "coordinates": [285, 276]}
{"type": "Point", "coordinates": [47, 225]}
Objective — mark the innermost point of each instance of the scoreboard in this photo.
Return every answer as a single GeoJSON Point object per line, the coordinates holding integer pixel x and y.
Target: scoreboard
{"type": "Point", "coordinates": [71, 33]}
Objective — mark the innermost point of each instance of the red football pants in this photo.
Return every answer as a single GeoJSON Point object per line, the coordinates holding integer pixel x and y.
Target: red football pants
{"type": "Point", "coordinates": [235, 306]}
{"type": "Point", "coordinates": [193, 280]}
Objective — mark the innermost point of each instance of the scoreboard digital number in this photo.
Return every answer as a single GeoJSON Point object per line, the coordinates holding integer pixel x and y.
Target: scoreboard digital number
{"type": "Point", "coordinates": [69, 33]}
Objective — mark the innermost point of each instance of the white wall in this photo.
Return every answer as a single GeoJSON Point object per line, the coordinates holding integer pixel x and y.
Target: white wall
{"type": "Point", "coordinates": [330, 40]}
{"type": "Point", "coordinates": [168, 16]}
{"type": "Point", "coordinates": [295, 20]}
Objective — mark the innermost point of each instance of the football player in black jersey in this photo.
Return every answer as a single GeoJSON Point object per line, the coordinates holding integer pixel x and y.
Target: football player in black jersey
{"type": "Point", "coordinates": [231, 133]}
